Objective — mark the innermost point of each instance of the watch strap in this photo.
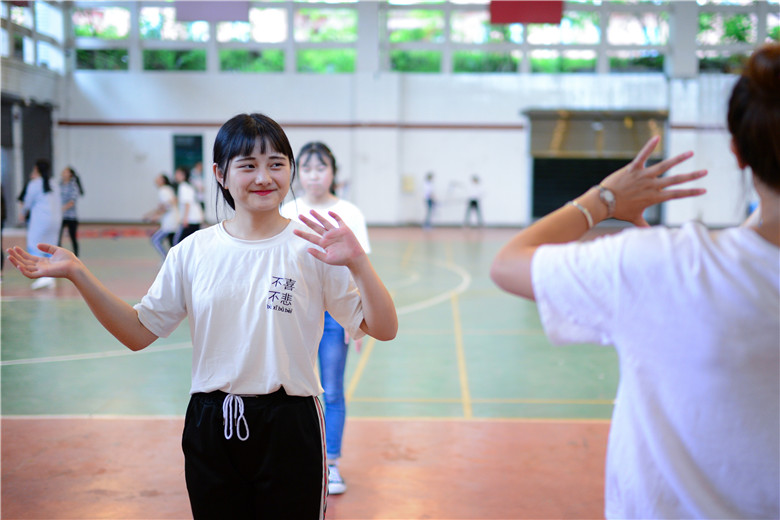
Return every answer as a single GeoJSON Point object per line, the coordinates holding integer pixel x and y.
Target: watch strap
{"type": "Point", "coordinates": [608, 198]}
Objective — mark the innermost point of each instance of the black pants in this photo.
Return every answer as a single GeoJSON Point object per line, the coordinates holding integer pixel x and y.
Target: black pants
{"type": "Point", "coordinates": [184, 232]}
{"type": "Point", "coordinates": [279, 471]}
{"type": "Point", "coordinates": [73, 226]}
{"type": "Point", "coordinates": [473, 206]}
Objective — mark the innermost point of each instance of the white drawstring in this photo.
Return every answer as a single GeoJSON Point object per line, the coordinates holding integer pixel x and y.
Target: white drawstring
{"type": "Point", "coordinates": [233, 408]}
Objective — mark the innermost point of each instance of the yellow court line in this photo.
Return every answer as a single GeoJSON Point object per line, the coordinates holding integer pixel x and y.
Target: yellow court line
{"type": "Point", "coordinates": [367, 348]}
{"type": "Point", "coordinates": [484, 419]}
{"type": "Point", "coordinates": [454, 400]}
{"type": "Point", "coordinates": [462, 372]}
{"type": "Point", "coordinates": [407, 256]}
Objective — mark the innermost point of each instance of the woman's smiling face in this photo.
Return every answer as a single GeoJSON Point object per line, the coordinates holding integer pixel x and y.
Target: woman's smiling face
{"type": "Point", "coordinates": [258, 181]}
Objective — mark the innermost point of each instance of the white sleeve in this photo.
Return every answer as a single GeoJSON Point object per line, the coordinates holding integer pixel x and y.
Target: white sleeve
{"type": "Point", "coordinates": [164, 305]}
{"type": "Point", "coordinates": [342, 299]}
{"type": "Point", "coordinates": [575, 286]}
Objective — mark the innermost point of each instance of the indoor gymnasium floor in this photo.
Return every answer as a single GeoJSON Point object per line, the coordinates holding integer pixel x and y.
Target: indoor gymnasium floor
{"type": "Point", "coordinates": [470, 413]}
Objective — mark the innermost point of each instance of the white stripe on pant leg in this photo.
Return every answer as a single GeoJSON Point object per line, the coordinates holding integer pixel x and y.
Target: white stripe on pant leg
{"type": "Point", "coordinates": [321, 416]}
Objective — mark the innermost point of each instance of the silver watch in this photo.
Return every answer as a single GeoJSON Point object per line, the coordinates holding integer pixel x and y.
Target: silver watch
{"type": "Point", "coordinates": [608, 198]}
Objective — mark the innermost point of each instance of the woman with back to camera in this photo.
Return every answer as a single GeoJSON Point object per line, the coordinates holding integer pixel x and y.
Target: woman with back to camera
{"type": "Point", "coordinates": [70, 190]}
{"type": "Point", "coordinates": [41, 205]}
{"type": "Point", "coordinates": [317, 172]}
{"type": "Point", "coordinates": [254, 289]}
{"type": "Point", "coordinates": [694, 315]}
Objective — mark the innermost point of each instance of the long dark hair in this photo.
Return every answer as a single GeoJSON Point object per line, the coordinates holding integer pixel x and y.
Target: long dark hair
{"type": "Point", "coordinates": [320, 150]}
{"type": "Point", "coordinates": [44, 168]}
{"type": "Point", "coordinates": [238, 136]}
{"type": "Point", "coordinates": [75, 177]}
{"type": "Point", "coordinates": [754, 114]}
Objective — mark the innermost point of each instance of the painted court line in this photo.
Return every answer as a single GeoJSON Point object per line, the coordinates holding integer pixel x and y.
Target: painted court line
{"type": "Point", "coordinates": [96, 355]}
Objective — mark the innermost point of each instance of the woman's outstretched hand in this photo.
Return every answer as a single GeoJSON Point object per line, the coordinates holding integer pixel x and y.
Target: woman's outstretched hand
{"type": "Point", "coordinates": [59, 265]}
{"type": "Point", "coordinates": [637, 186]}
{"type": "Point", "coordinates": [338, 243]}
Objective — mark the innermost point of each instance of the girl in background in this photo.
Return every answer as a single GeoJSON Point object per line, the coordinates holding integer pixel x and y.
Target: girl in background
{"type": "Point", "coordinates": [190, 210]}
{"type": "Point", "coordinates": [70, 190]}
{"type": "Point", "coordinates": [254, 288]}
{"type": "Point", "coordinates": [166, 213]}
{"type": "Point", "coordinates": [43, 206]}
{"type": "Point", "coordinates": [317, 173]}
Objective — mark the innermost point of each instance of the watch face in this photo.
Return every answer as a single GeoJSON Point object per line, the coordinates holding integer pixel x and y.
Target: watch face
{"type": "Point", "coordinates": [608, 195]}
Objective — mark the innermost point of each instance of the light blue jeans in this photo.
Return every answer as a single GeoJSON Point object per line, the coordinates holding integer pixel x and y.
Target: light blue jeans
{"type": "Point", "coordinates": [333, 360]}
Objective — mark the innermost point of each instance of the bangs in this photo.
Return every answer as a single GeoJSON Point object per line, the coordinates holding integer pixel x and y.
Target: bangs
{"type": "Point", "coordinates": [240, 134]}
{"type": "Point", "coordinates": [307, 156]}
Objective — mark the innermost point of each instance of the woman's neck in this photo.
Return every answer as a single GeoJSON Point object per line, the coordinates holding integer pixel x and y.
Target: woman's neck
{"type": "Point", "coordinates": [768, 225]}
{"type": "Point", "coordinates": [256, 227]}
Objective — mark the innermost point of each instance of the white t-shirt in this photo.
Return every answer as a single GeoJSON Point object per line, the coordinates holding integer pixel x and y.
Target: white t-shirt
{"type": "Point", "coordinates": [348, 212]}
{"type": "Point", "coordinates": [695, 318]}
{"type": "Point", "coordinates": [170, 219]}
{"type": "Point", "coordinates": [255, 309]}
{"type": "Point", "coordinates": [187, 196]}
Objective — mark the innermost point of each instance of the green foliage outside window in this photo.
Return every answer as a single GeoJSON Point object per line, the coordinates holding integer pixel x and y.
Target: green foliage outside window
{"type": "Point", "coordinates": [729, 64]}
{"type": "Point", "coordinates": [326, 25]}
{"type": "Point", "coordinates": [468, 61]}
{"type": "Point", "coordinates": [90, 31]}
{"type": "Point", "coordinates": [110, 23]}
{"type": "Point", "coordinates": [562, 64]}
{"type": "Point", "coordinates": [239, 60]}
{"type": "Point", "coordinates": [194, 59]}
{"type": "Point", "coordinates": [418, 26]}
{"type": "Point", "coordinates": [106, 59]}
{"type": "Point", "coordinates": [326, 61]}
{"type": "Point", "coordinates": [647, 63]}
{"type": "Point", "coordinates": [415, 61]}
{"type": "Point", "coordinates": [737, 28]}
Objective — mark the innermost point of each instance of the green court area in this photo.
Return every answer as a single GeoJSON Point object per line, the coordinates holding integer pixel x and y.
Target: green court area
{"type": "Point", "coordinates": [464, 350]}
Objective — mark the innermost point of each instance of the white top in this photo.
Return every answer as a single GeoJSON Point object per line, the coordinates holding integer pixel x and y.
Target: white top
{"type": "Point", "coordinates": [348, 212]}
{"type": "Point", "coordinates": [186, 194]}
{"type": "Point", "coordinates": [695, 318]}
{"type": "Point", "coordinates": [45, 214]}
{"type": "Point", "coordinates": [255, 309]}
{"type": "Point", "coordinates": [170, 219]}
{"type": "Point", "coordinates": [475, 191]}
{"type": "Point", "coordinates": [428, 189]}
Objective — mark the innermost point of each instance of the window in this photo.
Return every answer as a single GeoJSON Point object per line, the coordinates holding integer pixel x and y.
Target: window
{"type": "Point", "coordinates": [415, 25]}
{"type": "Point", "coordinates": [49, 21]}
{"type": "Point", "coordinates": [245, 60]}
{"type": "Point", "coordinates": [266, 25]}
{"type": "Point", "coordinates": [107, 23]}
{"type": "Point", "coordinates": [480, 61]}
{"type": "Point", "coordinates": [325, 25]}
{"type": "Point", "coordinates": [475, 27]}
{"type": "Point", "coordinates": [425, 36]}
{"type": "Point", "coordinates": [179, 60]}
{"type": "Point", "coordinates": [159, 23]}
{"type": "Point", "coordinates": [726, 35]}
{"type": "Point", "coordinates": [326, 60]}
{"type": "Point", "coordinates": [50, 57]}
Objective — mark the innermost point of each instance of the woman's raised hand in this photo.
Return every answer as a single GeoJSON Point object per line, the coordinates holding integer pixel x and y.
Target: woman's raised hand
{"type": "Point", "coordinates": [637, 186]}
{"type": "Point", "coordinates": [59, 265]}
{"type": "Point", "coordinates": [338, 243]}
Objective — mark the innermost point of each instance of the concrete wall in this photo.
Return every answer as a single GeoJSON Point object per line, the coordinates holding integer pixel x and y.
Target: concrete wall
{"type": "Point", "coordinates": [387, 130]}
